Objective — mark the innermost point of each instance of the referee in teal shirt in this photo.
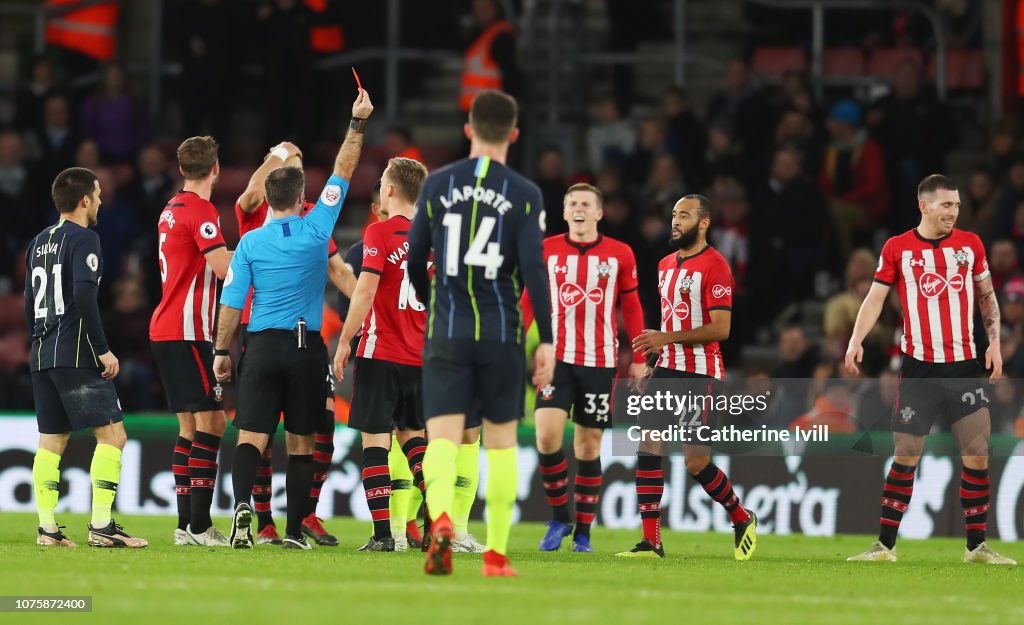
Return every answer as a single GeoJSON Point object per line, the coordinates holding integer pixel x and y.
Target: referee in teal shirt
{"type": "Point", "coordinates": [284, 368]}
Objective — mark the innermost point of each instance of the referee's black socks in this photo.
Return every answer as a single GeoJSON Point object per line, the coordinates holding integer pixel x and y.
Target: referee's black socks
{"type": "Point", "coordinates": [202, 469]}
{"type": "Point", "coordinates": [299, 481]}
{"type": "Point", "coordinates": [243, 471]}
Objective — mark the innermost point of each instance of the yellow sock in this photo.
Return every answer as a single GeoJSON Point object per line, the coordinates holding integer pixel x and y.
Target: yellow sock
{"type": "Point", "coordinates": [502, 484]}
{"type": "Point", "coordinates": [439, 476]}
{"type": "Point", "coordinates": [106, 473]}
{"type": "Point", "coordinates": [401, 488]}
{"type": "Point", "coordinates": [415, 501]}
{"type": "Point", "coordinates": [45, 483]}
{"type": "Point", "coordinates": [467, 469]}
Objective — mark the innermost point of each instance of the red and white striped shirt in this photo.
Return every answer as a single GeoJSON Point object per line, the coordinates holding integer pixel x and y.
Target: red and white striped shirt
{"type": "Point", "coordinates": [935, 278]}
{"type": "Point", "coordinates": [691, 288]}
{"type": "Point", "coordinates": [189, 227]}
{"type": "Point", "coordinates": [586, 280]}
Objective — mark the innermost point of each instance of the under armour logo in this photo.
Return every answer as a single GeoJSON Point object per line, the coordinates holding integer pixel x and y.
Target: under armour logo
{"type": "Point", "coordinates": [916, 262]}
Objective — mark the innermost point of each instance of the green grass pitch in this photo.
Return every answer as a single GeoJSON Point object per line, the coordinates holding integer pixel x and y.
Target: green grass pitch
{"type": "Point", "coordinates": [792, 579]}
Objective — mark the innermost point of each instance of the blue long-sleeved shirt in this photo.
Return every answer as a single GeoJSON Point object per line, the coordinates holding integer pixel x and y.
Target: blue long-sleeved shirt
{"type": "Point", "coordinates": [285, 262]}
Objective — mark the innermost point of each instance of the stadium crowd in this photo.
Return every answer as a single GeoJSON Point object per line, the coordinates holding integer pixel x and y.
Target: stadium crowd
{"type": "Point", "coordinates": [807, 189]}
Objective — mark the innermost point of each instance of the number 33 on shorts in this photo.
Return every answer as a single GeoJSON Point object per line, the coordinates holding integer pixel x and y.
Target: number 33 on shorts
{"type": "Point", "coordinates": [597, 405]}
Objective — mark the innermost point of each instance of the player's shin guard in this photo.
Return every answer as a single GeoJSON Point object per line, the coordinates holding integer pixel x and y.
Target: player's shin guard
{"type": "Point", "coordinates": [243, 472]}
{"type": "Point", "coordinates": [586, 493]}
{"type": "Point", "coordinates": [202, 470]}
{"type": "Point", "coordinates": [502, 482]}
{"type": "Point", "coordinates": [106, 473]}
{"type": "Point", "coordinates": [717, 485]}
{"type": "Point", "coordinates": [46, 484]}
{"type": "Point", "coordinates": [439, 476]}
{"type": "Point", "coordinates": [297, 485]}
{"type": "Point", "coordinates": [323, 453]}
{"type": "Point", "coordinates": [467, 477]}
{"type": "Point", "coordinates": [650, 486]}
{"type": "Point", "coordinates": [377, 486]}
{"type": "Point", "coordinates": [182, 482]}
{"type": "Point", "coordinates": [401, 489]}
{"type": "Point", "coordinates": [263, 489]}
{"type": "Point", "coordinates": [974, 490]}
{"type": "Point", "coordinates": [899, 486]}
{"type": "Point", "coordinates": [554, 474]}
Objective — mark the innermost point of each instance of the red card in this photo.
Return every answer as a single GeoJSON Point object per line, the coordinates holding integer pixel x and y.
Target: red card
{"type": "Point", "coordinates": [358, 83]}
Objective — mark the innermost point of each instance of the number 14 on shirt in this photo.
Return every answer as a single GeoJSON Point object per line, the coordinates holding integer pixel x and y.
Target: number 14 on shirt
{"type": "Point", "coordinates": [476, 256]}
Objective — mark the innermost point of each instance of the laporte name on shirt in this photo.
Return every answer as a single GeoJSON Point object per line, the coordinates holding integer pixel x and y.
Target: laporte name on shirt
{"type": "Point", "coordinates": [477, 194]}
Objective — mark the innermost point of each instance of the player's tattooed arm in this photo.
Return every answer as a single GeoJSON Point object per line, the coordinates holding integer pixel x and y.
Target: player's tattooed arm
{"type": "Point", "coordinates": [348, 156]}
{"type": "Point", "coordinates": [988, 304]}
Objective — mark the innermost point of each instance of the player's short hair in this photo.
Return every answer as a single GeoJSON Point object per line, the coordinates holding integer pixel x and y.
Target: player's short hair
{"type": "Point", "coordinates": [493, 115]}
{"type": "Point", "coordinates": [70, 186]}
{"type": "Point", "coordinates": [935, 182]}
{"type": "Point", "coordinates": [705, 207]}
{"type": "Point", "coordinates": [197, 156]}
{"type": "Point", "coordinates": [284, 187]}
{"type": "Point", "coordinates": [583, 186]}
{"type": "Point", "coordinates": [407, 175]}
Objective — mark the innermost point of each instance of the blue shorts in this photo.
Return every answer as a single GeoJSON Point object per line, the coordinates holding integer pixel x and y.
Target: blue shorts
{"type": "Point", "coordinates": [480, 379]}
{"type": "Point", "coordinates": [69, 399]}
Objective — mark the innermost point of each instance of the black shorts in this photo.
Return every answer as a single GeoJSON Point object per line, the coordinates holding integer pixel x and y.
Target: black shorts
{"type": "Point", "coordinates": [480, 379]}
{"type": "Point", "coordinates": [275, 376]}
{"type": "Point", "coordinates": [694, 406]}
{"type": "Point", "coordinates": [331, 382]}
{"type": "Point", "coordinates": [943, 393]}
{"type": "Point", "coordinates": [69, 399]}
{"type": "Point", "coordinates": [586, 392]}
{"type": "Point", "coordinates": [386, 396]}
{"type": "Point", "coordinates": [186, 369]}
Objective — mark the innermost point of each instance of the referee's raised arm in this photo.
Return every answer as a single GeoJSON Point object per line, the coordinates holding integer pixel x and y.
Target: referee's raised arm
{"type": "Point", "coordinates": [328, 206]}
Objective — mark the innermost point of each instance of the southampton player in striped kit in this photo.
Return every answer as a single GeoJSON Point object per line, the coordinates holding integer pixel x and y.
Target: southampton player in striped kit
{"type": "Point", "coordinates": [696, 313]}
{"type": "Point", "coordinates": [192, 257]}
{"type": "Point", "coordinates": [588, 274]}
{"type": "Point", "coordinates": [253, 211]}
{"type": "Point", "coordinates": [938, 271]}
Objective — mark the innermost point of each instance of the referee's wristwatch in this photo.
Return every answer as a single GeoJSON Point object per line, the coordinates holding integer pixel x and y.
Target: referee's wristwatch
{"type": "Point", "coordinates": [221, 352]}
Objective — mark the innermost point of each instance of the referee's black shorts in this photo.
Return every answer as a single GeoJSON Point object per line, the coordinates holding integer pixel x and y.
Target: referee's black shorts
{"type": "Point", "coordinates": [275, 376]}
{"type": "Point", "coordinates": [480, 379]}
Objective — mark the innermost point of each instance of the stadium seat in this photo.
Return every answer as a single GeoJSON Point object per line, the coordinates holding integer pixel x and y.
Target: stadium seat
{"type": "Point", "coordinates": [776, 61]}
{"type": "Point", "coordinates": [965, 69]}
{"type": "Point", "coordinates": [843, 62]}
{"type": "Point", "coordinates": [883, 62]}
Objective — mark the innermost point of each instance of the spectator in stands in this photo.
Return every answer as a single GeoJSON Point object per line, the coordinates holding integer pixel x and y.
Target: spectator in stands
{"type": "Point", "coordinates": [398, 144]}
{"type": "Point", "coordinates": [650, 146]}
{"type": "Point", "coordinates": [853, 178]}
{"type": "Point", "coordinates": [1003, 262]}
{"type": "Point", "coordinates": [798, 357]}
{"type": "Point", "coordinates": [788, 214]}
{"type": "Point", "coordinates": [723, 156]}
{"type": "Point", "coordinates": [685, 134]}
{"type": "Point", "coordinates": [115, 119]}
{"type": "Point", "coordinates": [493, 46]}
{"type": "Point", "coordinates": [88, 155]}
{"type": "Point", "coordinates": [841, 309]}
{"type": "Point", "coordinates": [833, 409]}
{"type": "Point", "coordinates": [127, 326]}
{"type": "Point", "coordinates": [1012, 195]}
{"type": "Point", "coordinates": [18, 212]}
{"type": "Point", "coordinates": [31, 99]}
{"type": "Point", "coordinates": [288, 64]}
{"type": "Point", "coordinates": [207, 34]}
{"type": "Point", "coordinates": [916, 132]}
{"type": "Point", "coordinates": [148, 193]}
{"type": "Point", "coordinates": [650, 248]}
{"type": "Point", "coordinates": [552, 182]}
{"type": "Point", "coordinates": [731, 238]}
{"type": "Point", "coordinates": [664, 184]}
{"type": "Point", "coordinates": [612, 138]}
{"type": "Point", "coordinates": [740, 101]}
{"type": "Point", "coordinates": [119, 226]}
{"type": "Point", "coordinates": [978, 209]}
{"type": "Point", "coordinates": [875, 401]}
{"type": "Point", "coordinates": [1003, 146]}
{"type": "Point", "coordinates": [795, 129]}
{"type": "Point", "coordinates": [55, 142]}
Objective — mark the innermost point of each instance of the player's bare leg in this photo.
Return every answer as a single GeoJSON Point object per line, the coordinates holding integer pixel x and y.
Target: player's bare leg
{"type": "Point", "coordinates": [444, 433]}
{"type": "Point", "coordinates": [896, 494]}
{"type": "Point", "coordinates": [972, 434]}
{"type": "Point", "coordinates": [46, 484]}
{"type": "Point", "coordinates": [554, 474]}
{"type": "Point", "coordinates": [243, 476]}
{"type": "Point", "coordinates": [717, 485]}
{"type": "Point", "coordinates": [587, 485]}
{"type": "Point", "coordinates": [467, 478]}
{"type": "Point", "coordinates": [202, 469]}
{"type": "Point", "coordinates": [105, 472]}
{"type": "Point", "coordinates": [502, 483]}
